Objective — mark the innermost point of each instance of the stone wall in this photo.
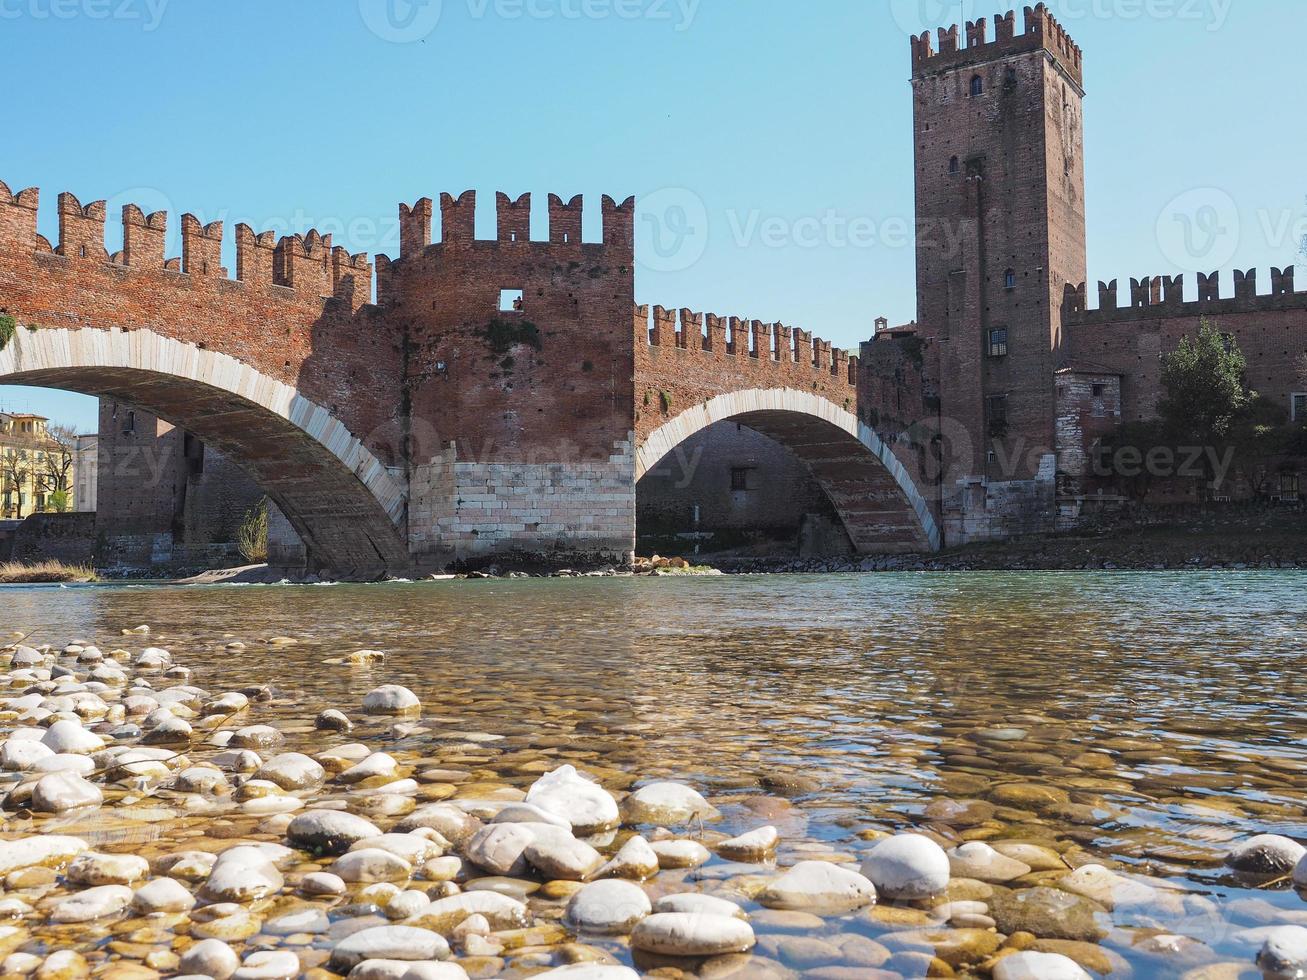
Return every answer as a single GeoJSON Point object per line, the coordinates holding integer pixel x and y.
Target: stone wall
{"type": "Point", "coordinates": [731, 479]}
{"type": "Point", "coordinates": [62, 537]}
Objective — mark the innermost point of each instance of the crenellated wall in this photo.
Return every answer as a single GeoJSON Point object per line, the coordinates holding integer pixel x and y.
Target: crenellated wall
{"type": "Point", "coordinates": [1129, 338]}
{"type": "Point", "coordinates": [683, 358]}
{"type": "Point", "coordinates": [1042, 32]}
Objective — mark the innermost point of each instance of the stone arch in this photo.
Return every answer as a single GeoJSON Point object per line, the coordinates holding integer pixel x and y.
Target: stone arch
{"type": "Point", "coordinates": [882, 509]}
{"type": "Point", "coordinates": [345, 505]}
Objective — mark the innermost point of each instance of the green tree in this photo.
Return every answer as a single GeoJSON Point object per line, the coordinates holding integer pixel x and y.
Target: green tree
{"type": "Point", "coordinates": [58, 501]}
{"type": "Point", "coordinates": [1203, 387]}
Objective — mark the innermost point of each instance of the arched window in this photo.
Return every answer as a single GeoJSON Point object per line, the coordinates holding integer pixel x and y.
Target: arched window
{"type": "Point", "coordinates": [1010, 279]}
{"type": "Point", "coordinates": [977, 85]}
{"type": "Point", "coordinates": [953, 166]}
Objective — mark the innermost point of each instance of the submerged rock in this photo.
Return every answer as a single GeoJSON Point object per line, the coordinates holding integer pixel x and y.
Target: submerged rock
{"type": "Point", "coordinates": [1266, 854]}
{"type": "Point", "coordinates": [1038, 966]}
{"type": "Point", "coordinates": [391, 699]}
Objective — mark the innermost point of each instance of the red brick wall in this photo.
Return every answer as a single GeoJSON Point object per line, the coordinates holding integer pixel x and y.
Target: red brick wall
{"type": "Point", "coordinates": [1014, 202]}
{"type": "Point", "coordinates": [1271, 330]}
{"type": "Point", "coordinates": [683, 358]}
{"type": "Point", "coordinates": [568, 400]}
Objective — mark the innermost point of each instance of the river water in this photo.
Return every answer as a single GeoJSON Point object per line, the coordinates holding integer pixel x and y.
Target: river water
{"type": "Point", "coordinates": [1143, 721]}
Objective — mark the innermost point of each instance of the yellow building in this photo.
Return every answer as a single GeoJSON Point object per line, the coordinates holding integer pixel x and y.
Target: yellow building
{"type": "Point", "coordinates": [36, 467]}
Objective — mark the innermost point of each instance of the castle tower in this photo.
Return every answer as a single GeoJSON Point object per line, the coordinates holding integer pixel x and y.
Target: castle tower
{"type": "Point", "coordinates": [1000, 232]}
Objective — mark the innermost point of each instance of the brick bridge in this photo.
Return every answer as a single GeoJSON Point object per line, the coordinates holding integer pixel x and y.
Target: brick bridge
{"type": "Point", "coordinates": [443, 421]}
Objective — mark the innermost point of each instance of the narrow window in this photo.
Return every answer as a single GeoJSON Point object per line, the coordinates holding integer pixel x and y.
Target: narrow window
{"type": "Point", "coordinates": [998, 342]}
{"type": "Point", "coordinates": [1298, 406]}
{"type": "Point", "coordinates": [511, 300]}
{"type": "Point", "coordinates": [739, 478]}
{"type": "Point", "coordinates": [1010, 279]}
{"type": "Point", "coordinates": [130, 427]}
{"type": "Point", "coordinates": [996, 410]}
{"type": "Point", "coordinates": [1099, 390]}
{"type": "Point", "coordinates": [954, 166]}
{"type": "Point", "coordinates": [1289, 487]}
{"type": "Point", "coordinates": [977, 85]}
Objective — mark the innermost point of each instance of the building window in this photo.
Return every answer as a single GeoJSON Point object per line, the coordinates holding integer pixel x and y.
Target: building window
{"type": "Point", "coordinates": [976, 167]}
{"type": "Point", "coordinates": [998, 342]}
{"type": "Point", "coordinates": [954, 166]}
{"type": "Point", "coordinates": [996, 412]}
{"type": "Point", "coordinates": [1289, 486]}
{"type": "Point", "coordinates": [130, 426]}
{"type": "Point", "coordinates": [510, 300]}
{"type": "Point", "coordinates": [1010, 279]}
{"type": "Point", "coordinates": [1099, 390]}
{"type": "Point", "coordinates": [1298, 406]}
{"type": "Point", "coordinates": [977, 85]}
{"type": "Point", "coordinates": [739, 479]}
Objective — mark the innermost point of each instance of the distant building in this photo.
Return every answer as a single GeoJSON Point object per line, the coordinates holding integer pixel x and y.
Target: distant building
{"type": "Point", "coordinates": [34, 465]}
{"type": "Point", "coordinates": [86, 473]}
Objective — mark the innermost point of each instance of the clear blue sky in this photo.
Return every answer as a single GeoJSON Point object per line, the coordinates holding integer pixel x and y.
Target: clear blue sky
{"type": "Point", "coordinates": [745, 122]}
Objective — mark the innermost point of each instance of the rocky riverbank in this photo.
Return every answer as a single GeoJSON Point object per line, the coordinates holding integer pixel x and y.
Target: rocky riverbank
{"type": "Point", "coordinates": [154, 828]}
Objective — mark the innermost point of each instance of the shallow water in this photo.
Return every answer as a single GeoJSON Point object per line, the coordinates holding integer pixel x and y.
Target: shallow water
{"type": "Point", "coordinates": [1166, 712]}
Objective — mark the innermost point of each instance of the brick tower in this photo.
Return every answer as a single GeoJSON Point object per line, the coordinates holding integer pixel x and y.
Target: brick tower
{"type": "Point", "coordinates": [1000, 232]}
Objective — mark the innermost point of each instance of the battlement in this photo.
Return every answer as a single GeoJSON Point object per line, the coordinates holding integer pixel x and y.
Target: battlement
{"type": "Point", "coordinates": [1042, 31]}
{"type": "Point", "coordinates": [721, 336]}
{"type": "Point", "coordinates": [513, 222]}
{"type": "Point", "coordinates": [1163, 296]}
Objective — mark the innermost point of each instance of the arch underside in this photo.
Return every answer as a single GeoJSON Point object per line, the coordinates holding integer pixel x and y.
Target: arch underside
{"type": "Point", "coordinates": [882, 511]}
{"type": "Point", "coordinates": [346, 507]}
{"type": "Point", "coordinates": [344, 527]}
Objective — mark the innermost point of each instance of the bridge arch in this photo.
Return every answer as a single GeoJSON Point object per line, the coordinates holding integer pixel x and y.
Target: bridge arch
{"type": "Point", "coordinates": [880, 506]}
{"type": "Point", "coordinates": [345, 505]}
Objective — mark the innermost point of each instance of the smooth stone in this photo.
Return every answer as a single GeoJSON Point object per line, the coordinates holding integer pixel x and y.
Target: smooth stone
{"type": "Point", "coordinates": [60, 792]}
{"type": "Point", "coordinates": [276, 964]}
{"type": "Point", "coordinates": [242, 881]}
{"type": "Point", "coordinates": [42, 851]}
{"type": "Point", "coordinates": [608, 907]}
{"type": "Point", "coordinates": [685, 934]}
{"type": "Point", "coordinates": [500, 848]}
{"type": "Point", "coordinates": [635, 859]}
{"type": "Point", "coordinates": [329, 831]}
{"type": "Point", "coordinates": [907, 866]}
{"type": "Point", "coordinates": [1284, 954]}
{"type": "Point", "coordinates": [93, 868]}
{"type": "Point", "coordinates": [391, 699]}
{"type": "Point", "coordinates": [371, 864]}
{"type": "Point", "coordinates": [63, 964]}
{"type": "Point", "coordinates": [588, 971]}
{"type": "Point", "coordinates": [1038, 966]}
{"type": "Point", "coordinates": [680, 853]}
{"type": "Point", "coordinates": [162, 895]}
{"type": "Point", "coordinates": [819, 886]}
{"type": "Point", "coordinates": [586, 805]}
{"type": "Point", "coordinates": [210, 958]}
{"type": "Point", "coordinates": [292, 771]}
{"type": "Point", "coordinates": [451, 822]}
{"type": "Point", "coordinates": [413, 848]}
{"type": "Point", "coordinates": [501, 911]}
{"type": "Point", "coordinates": [323, 883]}
{"type": "Point", "coordinates": [1107, 888]}
{"type": "Point", "coordinates": [667, 803]}
{"type": "Point", "coordinates": [695, 902]}
{"type": "Point", "coordinates": [978, 860]}
{"type": "Point", "coordinates": [332, 720]}
{"type": "Point", "coordinates": [257, 737]}
{"type": "Point", "coordinates": [1049, 913]}
{"type": "Point", "coordinates": [434, 971]}
{"type": "Point", "coordinates": [68, 736]}
{"type": "Point", "coordinates": [94, 903]}
{"type": "Point", "coordinates": [754, 846]}
{"type": "Point", "coordinates": [529, 813]}
{"type": "Point", "coordinates": [388, 943]}
{"type": "Point", "coordinates": [566, 858]}
{"type": "Point", "coordinates": [1266, 854]}
{"type": "Point", "coordinates": [376, 767]}
{"type": "Point", "coordinates": [308, 921]}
